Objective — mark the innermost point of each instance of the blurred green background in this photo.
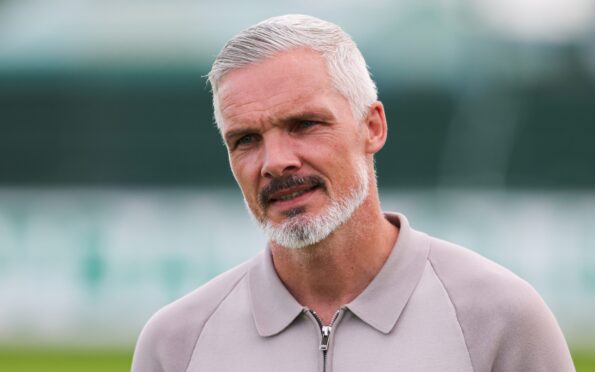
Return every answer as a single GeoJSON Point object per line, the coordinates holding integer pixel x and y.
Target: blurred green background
{"type": "Point", "coordinates": [116, 195]}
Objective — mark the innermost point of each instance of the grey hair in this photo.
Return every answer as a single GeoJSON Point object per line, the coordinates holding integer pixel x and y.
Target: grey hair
{"type": "Point", "coordinates": [346, 65]}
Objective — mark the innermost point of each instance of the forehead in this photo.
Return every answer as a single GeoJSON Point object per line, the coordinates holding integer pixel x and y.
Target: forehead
{"type": "Point", "coordinates": [292, 81]}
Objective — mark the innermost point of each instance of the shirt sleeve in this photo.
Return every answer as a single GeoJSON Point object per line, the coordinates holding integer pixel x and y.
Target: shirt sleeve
{"type": "Point", "coordinates": [165, 343]}
{"type": "Point", "coordinates": [506, 325]}
{"type": "Point", "coordinates": [530, 338]}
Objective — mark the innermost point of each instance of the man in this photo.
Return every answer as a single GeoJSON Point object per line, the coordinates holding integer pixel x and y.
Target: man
{"type": "Point", "coordinates": [341, 286]}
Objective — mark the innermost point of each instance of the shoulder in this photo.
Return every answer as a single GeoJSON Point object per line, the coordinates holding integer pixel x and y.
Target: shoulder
{"type": "Point", "coordinates": [506, 324]}
{"type": "Point", "coordinates": [167, 340]}
{"type": "Point", "coordinates": [466, 274]}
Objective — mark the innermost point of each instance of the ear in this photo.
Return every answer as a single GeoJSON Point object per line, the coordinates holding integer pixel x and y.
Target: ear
{"type": "Point", "coordinates": [376, 128]}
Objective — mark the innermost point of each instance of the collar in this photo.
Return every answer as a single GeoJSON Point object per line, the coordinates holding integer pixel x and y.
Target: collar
{"type": "Point", "coordinates": [273, 307]}
{"type": "Point", "coordinates": [379, 305]}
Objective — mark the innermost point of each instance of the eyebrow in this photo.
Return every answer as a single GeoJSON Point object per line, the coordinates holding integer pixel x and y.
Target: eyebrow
{"type": "Point", "coordinates": [317, 114]}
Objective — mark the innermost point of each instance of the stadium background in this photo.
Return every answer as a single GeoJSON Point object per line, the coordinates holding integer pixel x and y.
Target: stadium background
{"type": "Point", "coordinates": [116, 195]}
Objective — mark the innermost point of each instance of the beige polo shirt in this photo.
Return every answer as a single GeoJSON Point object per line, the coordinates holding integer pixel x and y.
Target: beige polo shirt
{"type": "Point", "coordinates": [434, 306]}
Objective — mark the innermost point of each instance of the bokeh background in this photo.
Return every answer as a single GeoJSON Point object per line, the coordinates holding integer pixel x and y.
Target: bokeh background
{"type": "Point", "coordinates": [116, 196]}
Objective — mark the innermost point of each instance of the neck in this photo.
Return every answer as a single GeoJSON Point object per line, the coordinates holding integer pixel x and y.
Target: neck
{"type": "Point", "coordinates": [327, 275]}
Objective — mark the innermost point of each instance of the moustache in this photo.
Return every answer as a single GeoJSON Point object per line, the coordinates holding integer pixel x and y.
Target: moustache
{"type": "Point", "coordinates": [282, 183]}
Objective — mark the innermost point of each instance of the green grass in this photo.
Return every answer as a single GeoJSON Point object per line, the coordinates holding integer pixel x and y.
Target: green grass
{"type": "Point", "coordinates": [584, 361]}
{"type": "Point", "coordinates": [66, 360]}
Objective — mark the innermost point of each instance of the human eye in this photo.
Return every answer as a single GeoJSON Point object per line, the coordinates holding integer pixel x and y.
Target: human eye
{"type": "Point", "coordinates": [245, 140]}
{"type": "Point", "coordinates": [304, 124]}
{"type": "Point", "coordinates": [308, 123]}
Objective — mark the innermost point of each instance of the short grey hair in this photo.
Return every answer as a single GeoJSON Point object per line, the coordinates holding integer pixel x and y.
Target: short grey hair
{"type": "Point", "coordinates": [346, 65]}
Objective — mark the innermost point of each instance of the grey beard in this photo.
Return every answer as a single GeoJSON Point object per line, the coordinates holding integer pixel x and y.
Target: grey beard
{"type": "Point", "coordinates": [302, 230]}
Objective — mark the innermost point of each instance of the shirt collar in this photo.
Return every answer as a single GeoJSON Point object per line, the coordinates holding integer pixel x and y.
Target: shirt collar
{"type": "Point", "coordinates": [273, 307]}
{"type": "Point", "coordinates": [379, 305]}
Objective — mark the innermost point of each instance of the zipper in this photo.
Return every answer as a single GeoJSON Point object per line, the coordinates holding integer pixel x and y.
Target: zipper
{"type": "Point", "coordinates": [325, 331]}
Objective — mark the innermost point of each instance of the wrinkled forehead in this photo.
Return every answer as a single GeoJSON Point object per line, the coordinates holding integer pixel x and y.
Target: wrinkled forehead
{"type": "Point", "coordinates": [295, 78]}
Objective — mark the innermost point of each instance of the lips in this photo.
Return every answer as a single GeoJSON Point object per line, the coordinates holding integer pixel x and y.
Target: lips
{"type": "Point", "coordinates": [288, 188]}
{"type": "Point", "coordinates": [287, 195]}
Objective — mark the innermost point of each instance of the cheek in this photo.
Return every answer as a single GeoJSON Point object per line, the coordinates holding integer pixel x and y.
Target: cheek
{"type": "Point", "coordinates": [246, 174]}
{"type": "Point", "coordinates": [346, 167]}
{"type": "Point", "coordinates": [235, 170]}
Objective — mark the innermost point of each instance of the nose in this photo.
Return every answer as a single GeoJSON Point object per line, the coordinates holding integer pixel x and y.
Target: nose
{"type": "Point", "coordinates": [280, 156]}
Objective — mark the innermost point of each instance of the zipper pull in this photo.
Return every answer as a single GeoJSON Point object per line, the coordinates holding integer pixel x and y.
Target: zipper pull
{"type": "Point", "coordinates": [326, 334]}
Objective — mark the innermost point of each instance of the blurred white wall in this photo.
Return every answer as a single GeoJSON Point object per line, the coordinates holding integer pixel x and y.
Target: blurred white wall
{"type": "Point", "coordinates": [89, 267]}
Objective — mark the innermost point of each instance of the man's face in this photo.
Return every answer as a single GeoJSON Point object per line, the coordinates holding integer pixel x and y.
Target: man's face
{"type": "Point", "coordinates": [295, 148]}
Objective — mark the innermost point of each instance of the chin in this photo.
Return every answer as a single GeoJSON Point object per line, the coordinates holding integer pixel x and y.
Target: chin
{"type": "Point", "coordinates": [301, 229]}
{"type": "Point", "coordinates": [298, 231]}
